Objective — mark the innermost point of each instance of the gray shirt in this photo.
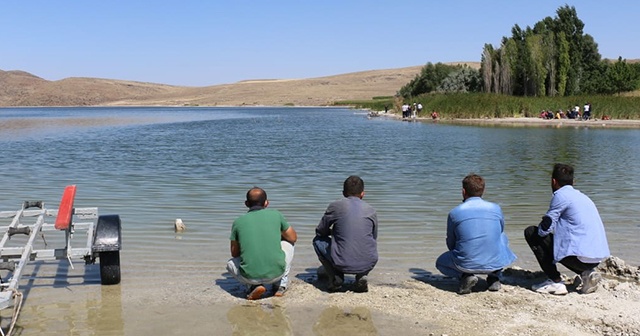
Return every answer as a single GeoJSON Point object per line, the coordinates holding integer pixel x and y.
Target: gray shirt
{"type": "Point", "coordinates": [353, 227]}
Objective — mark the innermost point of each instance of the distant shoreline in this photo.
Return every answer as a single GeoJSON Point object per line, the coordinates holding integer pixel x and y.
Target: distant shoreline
{"type": "Point", "coordinates": [530, 122]}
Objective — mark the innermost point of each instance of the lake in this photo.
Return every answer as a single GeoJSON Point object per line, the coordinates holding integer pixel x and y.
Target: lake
{"type": "Point", "coordinates": [152, 165]}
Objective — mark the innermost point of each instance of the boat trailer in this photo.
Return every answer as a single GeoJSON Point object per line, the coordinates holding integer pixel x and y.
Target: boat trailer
{"type": "Point", "coordinates": [103, 242]}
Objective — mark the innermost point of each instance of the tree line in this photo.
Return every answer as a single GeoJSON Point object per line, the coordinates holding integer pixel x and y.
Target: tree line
{"type": "Point", "coordinates": [554, 58]}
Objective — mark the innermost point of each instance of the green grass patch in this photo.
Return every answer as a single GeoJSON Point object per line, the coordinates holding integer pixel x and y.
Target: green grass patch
{"type": "Point", "coordinates": [485, 105]}
{"type": "Point", "coordinates": [374, 104]}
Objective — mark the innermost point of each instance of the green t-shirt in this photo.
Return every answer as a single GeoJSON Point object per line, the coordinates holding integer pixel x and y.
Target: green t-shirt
{"type": "Point", "coordinates": [259, 234]}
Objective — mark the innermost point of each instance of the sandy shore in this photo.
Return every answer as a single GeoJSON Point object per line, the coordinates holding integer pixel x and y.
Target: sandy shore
{"type": "Point", "coordinates": [529, 122]}
{"type": "Point", "coordinates": [424, 304]}
{"type": "Point", "coordinates": [428, 305]}
{"type": "Point", "coordinates": [522, 122]}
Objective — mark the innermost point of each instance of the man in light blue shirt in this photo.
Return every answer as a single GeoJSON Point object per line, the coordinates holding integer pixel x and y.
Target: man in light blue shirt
{"type": "Point", "coordinates": [571, 233]}
{"type": "Point", "coordinates": [476, 239]}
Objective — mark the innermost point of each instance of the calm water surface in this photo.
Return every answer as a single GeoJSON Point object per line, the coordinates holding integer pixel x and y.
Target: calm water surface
{"type": "Point", "coordinates": [153, 165]}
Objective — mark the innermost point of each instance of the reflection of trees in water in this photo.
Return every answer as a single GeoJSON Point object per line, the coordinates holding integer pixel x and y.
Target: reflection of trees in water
{"type": "Point", "coordinates": [335, 321]}
{"type": "Point", "coordinates": [252, 319]}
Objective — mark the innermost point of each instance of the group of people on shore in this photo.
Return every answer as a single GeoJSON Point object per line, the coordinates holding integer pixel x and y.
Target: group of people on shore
{"type": "Point", "coordinates": [411, 111]}
{"type": "Point", "coordinates": [570, 233]}
{"type": "Point", "coordinates": [571, 113]}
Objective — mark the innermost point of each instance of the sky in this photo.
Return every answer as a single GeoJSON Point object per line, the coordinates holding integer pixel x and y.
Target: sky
{"type": "Point", "coordinates": [212, 42]}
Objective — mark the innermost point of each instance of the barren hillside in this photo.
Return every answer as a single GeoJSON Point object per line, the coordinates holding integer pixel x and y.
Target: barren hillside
{"type": "Point", "coordinates": [18, 88]}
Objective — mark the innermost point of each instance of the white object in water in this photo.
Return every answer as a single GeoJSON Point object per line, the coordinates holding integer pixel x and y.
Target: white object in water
{"type": "Point", "coordinates": [179, 225]}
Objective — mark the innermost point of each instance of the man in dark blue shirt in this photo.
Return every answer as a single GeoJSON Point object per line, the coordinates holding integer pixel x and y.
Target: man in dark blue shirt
{"type": "Point", "coordinates": [346, 236]}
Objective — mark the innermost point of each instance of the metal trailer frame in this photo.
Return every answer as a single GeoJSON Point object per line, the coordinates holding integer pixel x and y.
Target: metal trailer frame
{"type": "Point", "coordinates": [103, 241]}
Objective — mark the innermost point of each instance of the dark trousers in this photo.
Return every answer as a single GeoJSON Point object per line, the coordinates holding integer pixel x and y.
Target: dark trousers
{"type": "Point", "coordinates": [542, 248]}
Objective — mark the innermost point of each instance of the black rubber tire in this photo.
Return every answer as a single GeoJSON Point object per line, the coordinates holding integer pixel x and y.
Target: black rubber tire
{"type": "Point", "coordinates": [109, 267]}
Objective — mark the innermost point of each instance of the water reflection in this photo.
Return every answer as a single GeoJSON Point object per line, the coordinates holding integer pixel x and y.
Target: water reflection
{"type": "Point", "coordinates": [106, 316]}
{"type": "Point", "coordinates": [335, 321]}
{"type": "Point", "coordinates": [259, 320]}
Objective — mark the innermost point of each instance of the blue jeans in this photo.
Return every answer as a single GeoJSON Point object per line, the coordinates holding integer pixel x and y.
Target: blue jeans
{"type": "Point", "coordinates": [233, 266]}
{"type": "Point", "coordinates": [447, 266]}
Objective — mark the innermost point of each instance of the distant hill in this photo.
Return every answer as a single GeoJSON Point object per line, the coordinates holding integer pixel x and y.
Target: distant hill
{"type": "Point", "coordinates": [19, 88]}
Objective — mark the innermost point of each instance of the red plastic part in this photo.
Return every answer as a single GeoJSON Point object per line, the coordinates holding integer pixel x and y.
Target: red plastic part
{"type": "Point", "coordinates": [65, 211]}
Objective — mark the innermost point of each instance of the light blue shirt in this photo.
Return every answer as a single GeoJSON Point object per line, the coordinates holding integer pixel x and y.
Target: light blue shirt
{"type": "Point", "coordinates": [576, 226]}
{"type": "Point", "coordinates": [476, 238]}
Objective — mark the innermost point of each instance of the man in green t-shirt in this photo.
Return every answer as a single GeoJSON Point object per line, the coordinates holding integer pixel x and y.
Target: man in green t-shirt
{"type": "Point", "coordinates": [261, 246]}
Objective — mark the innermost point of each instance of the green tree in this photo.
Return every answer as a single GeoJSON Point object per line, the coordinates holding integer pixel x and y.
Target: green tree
{"type": "Point", "coordinates": [430, 77]}
{"type": "Point", "coordinates": [536, 71]}
{"type": "Point", "coordinates": [461, 81]}
{"type": "Point", "coordinates": [567, 21]}
{"type": "Point", "coordinates": [564, 62]}
{"type": "Point", "coordinates": [486, 67]}
{"type": "Point", "coordinates": [621, 76]}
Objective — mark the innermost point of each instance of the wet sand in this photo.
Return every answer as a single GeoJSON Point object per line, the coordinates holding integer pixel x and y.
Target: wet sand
{"type": "Point", "coordinates": [426, 304]}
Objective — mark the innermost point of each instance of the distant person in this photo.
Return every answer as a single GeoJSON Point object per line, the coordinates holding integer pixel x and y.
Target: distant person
{"type": "Point", "coordinates": [419, 108]}
{"type": "Point", "coordinates": [550, 114]}
{"type": "Point", "coordinates": [346, 237]}
{"type": "Point", "coordinates": [434, 115]}
{"type": "Point", "coordinates": [570, 233]}
{"type": "Point", "coordinates": [586, 115]}
{"type": "Point", "coordinates": [261, 247]}
{"type": "Point", "coordinates": [405, 110]}
{"type": "Point", "coordinates": [476, 240]}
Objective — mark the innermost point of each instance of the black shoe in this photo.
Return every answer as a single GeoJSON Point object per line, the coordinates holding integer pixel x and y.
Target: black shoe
{"type": "Point", "coordinates": [361, 285]}
{"type": "Point", "coordinates": [335, 283]}
{"type": "Point", "coordinates": [334, 280]}
{"type": "Point", "coordinates": [466, 283]}
{"type": "Point", "coordinates": [494, 283]}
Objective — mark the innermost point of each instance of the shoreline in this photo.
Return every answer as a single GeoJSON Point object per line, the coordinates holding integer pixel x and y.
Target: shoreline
{"type": "Point", "coordinates": [524, 122]}
{"type": "Point", "coordinates": [427, 304]}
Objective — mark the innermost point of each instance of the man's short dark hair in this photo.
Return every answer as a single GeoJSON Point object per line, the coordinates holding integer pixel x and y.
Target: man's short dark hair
{"type": "Point", "coordinates": [563, 174]}
{"type": "Point", "coordinates": [473, 185]}
{"type": "Point", "coordinates": [353, 186]}
{"type": "Point", "coordinates": [256, 197]}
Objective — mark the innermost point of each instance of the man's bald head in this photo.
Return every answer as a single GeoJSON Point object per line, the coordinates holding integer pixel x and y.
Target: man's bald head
{"type": "Point", "coordinates": [256, 197]}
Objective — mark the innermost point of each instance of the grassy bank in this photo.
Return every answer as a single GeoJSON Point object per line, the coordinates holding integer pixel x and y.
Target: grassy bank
{"type": "Point", "coordinates": [375, 104]}
{"type": "Point", "coordinates": [480, 105]}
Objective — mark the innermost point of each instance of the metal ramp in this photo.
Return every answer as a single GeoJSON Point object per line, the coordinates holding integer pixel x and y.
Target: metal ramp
{"type": "Point", "coordinates": [102, 240]}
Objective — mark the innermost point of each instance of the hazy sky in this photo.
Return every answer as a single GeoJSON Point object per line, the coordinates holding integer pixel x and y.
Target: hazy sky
{"type": "Point", "coordinates": [208, 42]}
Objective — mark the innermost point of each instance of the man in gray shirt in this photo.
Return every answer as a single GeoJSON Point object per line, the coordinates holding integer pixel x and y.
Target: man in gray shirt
{"type": "Point", "coordinates": [346, 236]}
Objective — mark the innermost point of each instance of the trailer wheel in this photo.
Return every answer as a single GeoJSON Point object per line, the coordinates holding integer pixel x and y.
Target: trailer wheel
{"type": "Point", "coordinates": [110, 267]}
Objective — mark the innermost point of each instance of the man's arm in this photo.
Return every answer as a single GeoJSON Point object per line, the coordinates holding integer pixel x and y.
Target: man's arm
{"type": "Point", "coordinates": [235, 248]}
{"type": "Point", "coordinates": [324, 227]}
{"type": "Point", "coordinates": [550, 219]}
{"type": "Point", "coordinates": [290, 235]}
{"type": "Point", "coordinates": [451, 234]}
